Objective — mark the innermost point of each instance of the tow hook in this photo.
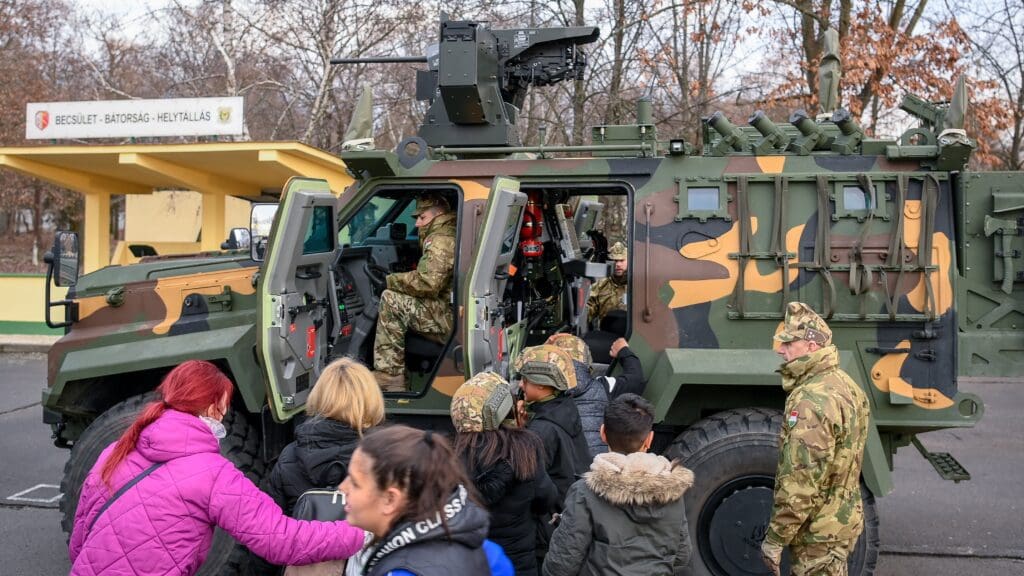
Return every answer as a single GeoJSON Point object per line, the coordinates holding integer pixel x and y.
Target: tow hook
{"type": "Point", "coordinates": [58, 435]}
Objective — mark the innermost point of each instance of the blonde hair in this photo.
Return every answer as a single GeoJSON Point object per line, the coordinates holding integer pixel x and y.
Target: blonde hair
{"type": "Point", "coordinates": [346, 391]}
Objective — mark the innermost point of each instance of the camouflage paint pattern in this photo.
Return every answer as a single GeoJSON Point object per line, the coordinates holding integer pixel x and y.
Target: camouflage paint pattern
{"type": "Point", "coordinates": [821, 450]}
{"type": "Point", "coordinates": [686, 300]}
{"type": "Point", "coordinates": [418, 300]}
{"type": "Point", "coordinates": [690, 288]}
{"type": "Point", "coordinates": [170, 310]}
{"type": "Point", "coordinates": [482, 403]}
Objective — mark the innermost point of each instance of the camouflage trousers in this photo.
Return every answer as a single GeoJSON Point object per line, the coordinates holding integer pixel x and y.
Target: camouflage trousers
{"type": "Point", "coordinates": [400, 312]}
{"type": "Point", "coordinates": [824, 559]}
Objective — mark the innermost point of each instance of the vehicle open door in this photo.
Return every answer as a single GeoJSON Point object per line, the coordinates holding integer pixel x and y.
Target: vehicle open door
{"type": "Point", "coordinates": [490, 334]}
{"type": "Point", "coordinates": [297, 314]}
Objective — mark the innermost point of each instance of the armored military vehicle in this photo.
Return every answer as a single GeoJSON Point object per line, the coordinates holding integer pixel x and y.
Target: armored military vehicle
{"type": "Point", "coordinates": [910, 257]}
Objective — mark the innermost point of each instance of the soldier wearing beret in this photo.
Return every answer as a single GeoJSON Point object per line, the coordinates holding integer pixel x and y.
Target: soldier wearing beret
{"type": "Point", "coordinates": [817, 511]}
{"type": "Point", "coordinates": [418, 300]}
{"type": "Point", "coordinates": [609, 293]}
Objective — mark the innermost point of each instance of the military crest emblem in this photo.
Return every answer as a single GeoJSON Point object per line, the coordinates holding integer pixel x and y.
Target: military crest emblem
{"type": "Point", "coordinates": [42, 119]}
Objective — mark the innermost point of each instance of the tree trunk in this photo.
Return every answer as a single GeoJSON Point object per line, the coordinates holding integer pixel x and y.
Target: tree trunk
{"type": "Point", "coordinates": [579, 91]}
{"type": "Point", "coordinates": [612, 111]}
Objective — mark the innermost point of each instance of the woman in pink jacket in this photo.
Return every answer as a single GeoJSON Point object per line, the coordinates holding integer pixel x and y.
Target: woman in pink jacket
{"type": "Point", "coordinates": [163, 523]}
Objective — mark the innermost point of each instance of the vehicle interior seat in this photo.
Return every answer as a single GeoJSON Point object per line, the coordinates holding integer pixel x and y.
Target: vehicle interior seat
{"type": "Point", "coordinates": [421, 352]}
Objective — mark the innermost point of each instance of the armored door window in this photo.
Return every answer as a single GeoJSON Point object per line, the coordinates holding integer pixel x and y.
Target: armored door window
{"type": "Point", "coordinates": [318, 235]}
{"type": "Point", "coordinates": [701, 200]}
{"type": "Point", "coordinates": [854, 198]}
{"type": "Point", "coordinates": [853, 201]}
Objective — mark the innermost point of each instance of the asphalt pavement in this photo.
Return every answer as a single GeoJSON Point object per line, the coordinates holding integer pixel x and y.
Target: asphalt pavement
{"type": "Point", "coordinates": [929, 527]}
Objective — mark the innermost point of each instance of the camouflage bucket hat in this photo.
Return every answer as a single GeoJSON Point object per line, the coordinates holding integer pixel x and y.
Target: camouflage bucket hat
{"type": "Point", "coordinates": [617, 251]}
{"type": "Point", "coordinates": [574, 346]}
{"type": "Point", "coordinates": [547, 365]}
{"type": "Point", "coordinates": [481, 403]}
{"type": "Point", "coordinates": [802, 323]}
{"type": "Point", "coordinates": [429, 201]}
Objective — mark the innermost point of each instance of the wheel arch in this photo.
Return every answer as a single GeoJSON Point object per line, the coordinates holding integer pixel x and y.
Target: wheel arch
{"type": "Point", "coordinates": [76, 386]}
{"type": "Point", "coordinates": [688, 385]}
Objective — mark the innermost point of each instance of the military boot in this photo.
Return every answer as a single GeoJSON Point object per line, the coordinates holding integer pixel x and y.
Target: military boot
{"type": "Point", "coordinates": [391, 382]}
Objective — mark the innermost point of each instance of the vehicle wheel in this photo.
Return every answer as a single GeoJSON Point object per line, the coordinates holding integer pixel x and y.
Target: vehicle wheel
{"type": "Point", "coordinates": [241, 446]}
{"type": "Point", "coordinates": [733, 455]}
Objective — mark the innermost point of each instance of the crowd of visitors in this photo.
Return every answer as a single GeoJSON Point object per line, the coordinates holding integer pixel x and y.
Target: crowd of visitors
{"type": "Point", "coordinates": [547, 476]}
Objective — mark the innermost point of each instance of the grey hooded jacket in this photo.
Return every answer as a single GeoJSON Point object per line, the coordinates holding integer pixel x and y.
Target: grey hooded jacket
{"type": "Point", "coordinates": [591, 398]}
{"type": "Point", "coordinates": [626, 516]}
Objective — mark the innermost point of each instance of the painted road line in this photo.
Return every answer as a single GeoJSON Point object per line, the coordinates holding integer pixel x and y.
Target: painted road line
{"type": "Point", "coordinates": [23, 495]}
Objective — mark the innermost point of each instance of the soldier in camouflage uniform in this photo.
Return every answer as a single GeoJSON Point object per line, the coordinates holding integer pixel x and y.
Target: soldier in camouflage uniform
{"type": "Point", "coordinates": [418, 300]}
{"type": "Point", "coordinates": [609, 293]}
{"type": "Point", "coordinates": [817, 511]}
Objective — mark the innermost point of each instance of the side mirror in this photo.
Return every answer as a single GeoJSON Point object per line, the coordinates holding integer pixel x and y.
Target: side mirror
{"type": "Point", "coordinates": [64, 259]}
{"type": "Point", "coordinates": [261, 219]}
{"type": "Point", "coordinates": [238, 239]}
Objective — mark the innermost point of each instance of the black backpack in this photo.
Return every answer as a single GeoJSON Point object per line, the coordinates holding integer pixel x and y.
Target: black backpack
{"type": "Point", "coordinates": [323, 504]}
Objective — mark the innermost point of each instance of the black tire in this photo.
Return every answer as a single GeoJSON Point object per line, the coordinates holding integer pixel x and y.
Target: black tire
{"type": "Point", "coordinates": [241, 446]}
{"type": "Point", "coordinates": [733, 455]}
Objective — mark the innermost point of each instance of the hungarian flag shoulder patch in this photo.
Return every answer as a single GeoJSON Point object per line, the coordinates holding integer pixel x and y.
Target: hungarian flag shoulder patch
{"type": "Point", "coordinates": [792, 418]}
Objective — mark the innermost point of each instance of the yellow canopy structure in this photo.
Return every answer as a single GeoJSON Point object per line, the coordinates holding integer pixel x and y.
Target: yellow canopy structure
{"type": "Point", "coordinates": [216, 170]}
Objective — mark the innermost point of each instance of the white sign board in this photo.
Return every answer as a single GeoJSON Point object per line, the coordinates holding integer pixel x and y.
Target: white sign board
{"type": "Point", "coordinates": [134, 118]}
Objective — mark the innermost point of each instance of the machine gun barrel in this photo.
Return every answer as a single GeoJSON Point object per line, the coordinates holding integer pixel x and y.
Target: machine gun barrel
{"type": "Point", "coordinates": [380, 60]}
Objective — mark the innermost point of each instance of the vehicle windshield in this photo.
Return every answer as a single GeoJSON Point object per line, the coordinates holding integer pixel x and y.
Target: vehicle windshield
{"type": "Point", "coordinates": [380, 210]}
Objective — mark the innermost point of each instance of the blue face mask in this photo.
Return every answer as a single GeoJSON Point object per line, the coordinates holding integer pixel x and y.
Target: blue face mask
{"type": "Point", "coordinates": [216, 427]}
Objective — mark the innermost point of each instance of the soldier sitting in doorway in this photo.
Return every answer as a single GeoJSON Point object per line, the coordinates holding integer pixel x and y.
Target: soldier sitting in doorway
{"type": "Point", "coordinates": [609, 294]}
{"type": "Point", "coordinates": [418, 300]}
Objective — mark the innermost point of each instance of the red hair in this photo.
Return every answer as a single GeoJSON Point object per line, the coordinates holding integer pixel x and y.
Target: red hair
{"type": "Point", "coordinates": [191, 387]}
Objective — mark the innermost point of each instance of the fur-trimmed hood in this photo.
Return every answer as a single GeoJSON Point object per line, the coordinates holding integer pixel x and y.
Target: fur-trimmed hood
{"type": "Point", "coordinates": [637, 479]}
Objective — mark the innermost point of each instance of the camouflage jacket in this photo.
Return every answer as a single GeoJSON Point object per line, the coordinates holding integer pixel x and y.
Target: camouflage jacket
{"type": "Point", "coordinates": [432, 277]}
{"type": "Point", "coordinates": [607, 294]}
{"type": "Point", "coordinates": [821, 449]}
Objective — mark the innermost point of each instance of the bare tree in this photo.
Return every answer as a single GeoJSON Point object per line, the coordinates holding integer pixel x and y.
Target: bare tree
{"type": "Point", "coordinates": [997, 39]}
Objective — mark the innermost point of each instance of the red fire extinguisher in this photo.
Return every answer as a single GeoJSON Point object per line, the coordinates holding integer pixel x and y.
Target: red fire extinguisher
{"type": "Point", "coordinates": [533, 227]}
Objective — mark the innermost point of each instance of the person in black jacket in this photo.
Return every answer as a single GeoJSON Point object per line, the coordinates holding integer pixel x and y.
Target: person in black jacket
{"type": "Point", "coordinates": [407, 488]}
{"type": "Point", "coordinates": [344, 402]}
{"type": "Point", "coordinates": [631, 379]}
{"type": "Point", "coordinates": [505, 464]}
{"type": "Point", "coordinates": [547, 373]}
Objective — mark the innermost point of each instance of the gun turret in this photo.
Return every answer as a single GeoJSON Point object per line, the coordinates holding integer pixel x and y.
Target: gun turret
{"type": "Point", "coordinates": [477, 78]}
